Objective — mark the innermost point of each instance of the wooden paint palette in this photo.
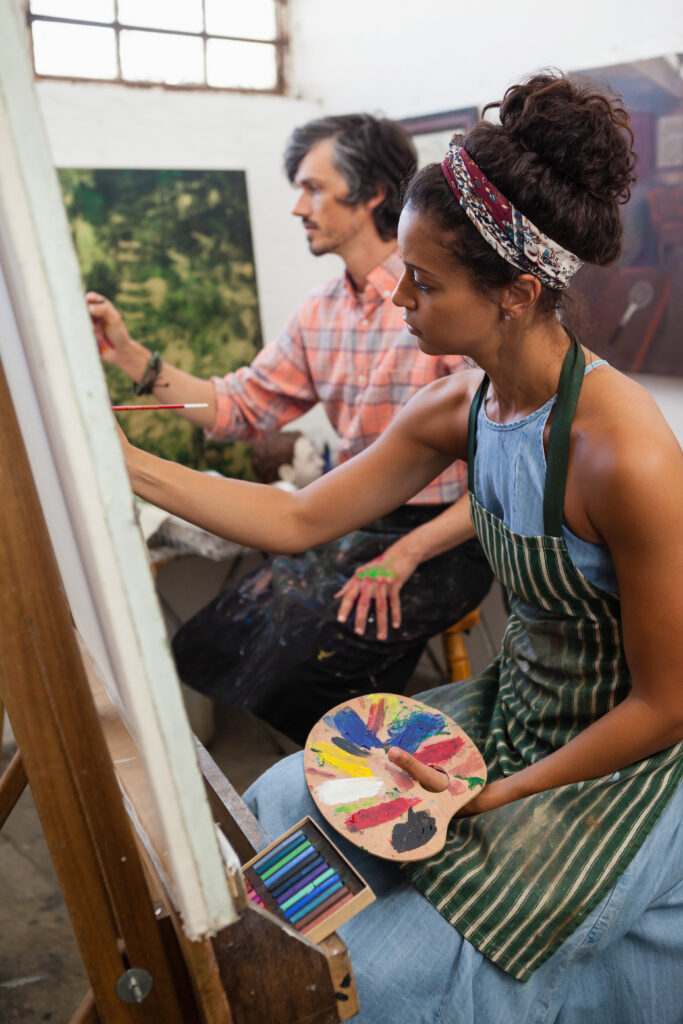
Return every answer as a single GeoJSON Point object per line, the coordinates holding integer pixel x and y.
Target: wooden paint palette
{"type": "Point", "coordinates": [370, 801]}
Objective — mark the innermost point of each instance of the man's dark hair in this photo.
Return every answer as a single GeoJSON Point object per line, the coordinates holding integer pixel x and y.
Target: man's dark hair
{"type": "Point", "coordinates": [371, 153]}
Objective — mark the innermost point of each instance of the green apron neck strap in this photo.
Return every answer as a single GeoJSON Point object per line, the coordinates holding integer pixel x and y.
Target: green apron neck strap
{"type": "Point", "coordinates": [472, 430]}
{"type": "Point", "coordinates": [569, 387]}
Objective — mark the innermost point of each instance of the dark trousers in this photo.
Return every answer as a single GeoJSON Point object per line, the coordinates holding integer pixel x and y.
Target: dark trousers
{"type": "Point", "coordinates": [272, 642]}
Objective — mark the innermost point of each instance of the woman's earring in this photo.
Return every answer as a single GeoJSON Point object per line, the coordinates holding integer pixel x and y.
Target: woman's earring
{"type": "Point", "coordinates": [507, 316]}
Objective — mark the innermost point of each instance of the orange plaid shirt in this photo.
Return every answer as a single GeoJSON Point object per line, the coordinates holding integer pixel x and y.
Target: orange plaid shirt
{"type": "Point", "coordinates": [352, 353]}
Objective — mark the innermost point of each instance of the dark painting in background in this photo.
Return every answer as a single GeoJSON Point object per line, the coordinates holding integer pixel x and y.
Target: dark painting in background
{"type": "Point", "coordinates": [173, 250]}
{"type": "Point", "coordinates": [635, 309]}
{"type": "Point", "coordinates": [432, 132]}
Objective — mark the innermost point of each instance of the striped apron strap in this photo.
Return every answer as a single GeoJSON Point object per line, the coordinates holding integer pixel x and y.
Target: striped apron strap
{"type": "Point", "coordinates": [568, 389]}
{"type": "Point", "coordinates": [472, 431]}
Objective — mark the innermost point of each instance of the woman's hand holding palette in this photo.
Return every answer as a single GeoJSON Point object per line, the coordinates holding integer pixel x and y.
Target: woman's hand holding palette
{"type": "Point", "coordinates": [371, 801]}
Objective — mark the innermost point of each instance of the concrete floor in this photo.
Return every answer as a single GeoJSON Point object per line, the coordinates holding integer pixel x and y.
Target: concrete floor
{"type": "Point", "coordinates": [41, 973]}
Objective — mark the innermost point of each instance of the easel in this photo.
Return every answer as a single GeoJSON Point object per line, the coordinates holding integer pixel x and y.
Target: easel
{"type": "Point", "coordinates": [253, 971]}
{"type": "Point", "coordinates": [158, 903]}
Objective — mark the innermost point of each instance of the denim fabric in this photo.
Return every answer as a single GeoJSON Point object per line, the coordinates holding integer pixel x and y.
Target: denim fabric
{"type": "Point", "coordinates": [509, 478]}
{"type": "Point", "coordinates": [623, 965]}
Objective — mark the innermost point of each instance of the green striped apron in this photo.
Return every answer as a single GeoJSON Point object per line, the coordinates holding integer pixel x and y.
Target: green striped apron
{"type": "Point", "coordinates": [518, 880]}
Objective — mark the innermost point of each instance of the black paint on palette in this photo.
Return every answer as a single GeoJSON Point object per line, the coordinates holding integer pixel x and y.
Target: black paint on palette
{"type": "Point", "coordinates": [417, 830]}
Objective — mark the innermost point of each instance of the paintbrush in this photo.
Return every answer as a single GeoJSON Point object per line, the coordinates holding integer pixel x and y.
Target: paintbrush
{"type": "Point", "coordinates": [134, 408]}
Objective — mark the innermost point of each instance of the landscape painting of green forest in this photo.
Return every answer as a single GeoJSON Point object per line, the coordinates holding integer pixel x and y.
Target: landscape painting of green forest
{"type": "Point", "coordinates": [173, 251]}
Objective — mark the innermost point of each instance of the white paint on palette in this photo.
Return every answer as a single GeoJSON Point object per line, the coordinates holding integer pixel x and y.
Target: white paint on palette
{"type": "Point", "coordinates": [341, 791]}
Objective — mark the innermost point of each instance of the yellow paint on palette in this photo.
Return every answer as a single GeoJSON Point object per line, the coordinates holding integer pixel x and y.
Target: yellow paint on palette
{"type": "Point", "coordinates": [337, 758]}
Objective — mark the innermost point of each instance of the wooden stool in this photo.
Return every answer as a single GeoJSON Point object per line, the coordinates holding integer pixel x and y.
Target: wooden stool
{"type": "Point", "coordinates": [455, 652]}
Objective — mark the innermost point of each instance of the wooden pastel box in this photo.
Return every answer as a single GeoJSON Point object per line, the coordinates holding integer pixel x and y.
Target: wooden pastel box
{"type": "Point", "coordinates": [305, 880]}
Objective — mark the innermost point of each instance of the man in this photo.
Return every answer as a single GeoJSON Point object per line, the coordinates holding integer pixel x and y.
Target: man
{"type": "Point", "coordinates": [273, 642]}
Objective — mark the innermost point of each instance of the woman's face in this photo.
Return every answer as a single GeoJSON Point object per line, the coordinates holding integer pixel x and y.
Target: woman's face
{"type": "Point", "coordinates": [440, 306]}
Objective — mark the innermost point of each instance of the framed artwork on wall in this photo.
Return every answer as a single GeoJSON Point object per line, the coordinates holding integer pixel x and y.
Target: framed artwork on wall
{"type": "Point", "coordinates": [432, 132]}
{"type": "Point", "coordinates": [173, 250]}
{"type": "Point", "coordinates": [635, 307]}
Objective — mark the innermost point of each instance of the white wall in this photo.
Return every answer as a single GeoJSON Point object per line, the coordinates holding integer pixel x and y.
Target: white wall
{"type": "Point", "coordinates": [406, 57]}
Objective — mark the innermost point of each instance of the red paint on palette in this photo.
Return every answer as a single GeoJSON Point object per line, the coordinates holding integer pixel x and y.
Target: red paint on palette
{"type": "Point", "coordinates": [376, 716]}
{"type": "Point", "coordinates": [368, 817]}
{"type": "Point", "coordinates": [436, 753]}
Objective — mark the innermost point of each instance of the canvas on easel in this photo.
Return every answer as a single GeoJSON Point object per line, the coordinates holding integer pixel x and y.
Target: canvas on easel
{"type": "Point", "coordinates": [85, 668]}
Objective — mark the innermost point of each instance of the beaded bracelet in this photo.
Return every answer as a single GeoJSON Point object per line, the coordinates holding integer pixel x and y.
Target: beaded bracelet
{"type": "Point", "coordinates": [150, 376]}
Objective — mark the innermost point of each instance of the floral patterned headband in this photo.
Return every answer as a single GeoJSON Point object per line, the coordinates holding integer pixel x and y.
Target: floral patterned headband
{"type": "Point", "coordinates": [508, 231]}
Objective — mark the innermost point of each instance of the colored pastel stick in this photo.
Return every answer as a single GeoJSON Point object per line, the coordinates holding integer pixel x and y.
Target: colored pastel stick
{"type": "Point", "coordinates": [324, 910]}
{"type": "Point", "coordinates": [252, 893]}
{"type": "Point", "coordinates": [305, 890]}
{"type": "Point", "coordinates": [306, 877]}
{"type": "Point", "coordinates": [272, 855]}
{"type": "Point", "coordinates": [314, 896]}
{"type": "Point", "coordinates": [313, 899]}
{"type": "Point", "coordinates": [319, 887]}
{"type": "Point", "coordinates": [285, 859]}
{"type": "Point", "coordinates": [313, 903]}
{"type": "Point", "coordinates": [297, 872]}
{"type": "Point", "coordinates": [272, 881]}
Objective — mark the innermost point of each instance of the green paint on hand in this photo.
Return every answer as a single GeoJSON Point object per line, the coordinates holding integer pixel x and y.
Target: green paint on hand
{"type": "Point", "coordinates": [376, 572]}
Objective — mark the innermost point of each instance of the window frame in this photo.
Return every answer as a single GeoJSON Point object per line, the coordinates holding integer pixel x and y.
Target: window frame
{"type": "Point", "coordinates": [280, 43]}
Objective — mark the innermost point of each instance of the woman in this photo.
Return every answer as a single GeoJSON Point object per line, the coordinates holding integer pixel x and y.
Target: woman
{"type": "Point", "coordinates": [558, 894]}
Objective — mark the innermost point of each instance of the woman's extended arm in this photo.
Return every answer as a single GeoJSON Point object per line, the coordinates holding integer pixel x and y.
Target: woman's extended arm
{"type": "Point", "coordinates": [426, 436]}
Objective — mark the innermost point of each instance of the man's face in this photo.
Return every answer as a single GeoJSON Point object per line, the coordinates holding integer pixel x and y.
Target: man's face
{"type": "Point", "coordinates": [330, 224]}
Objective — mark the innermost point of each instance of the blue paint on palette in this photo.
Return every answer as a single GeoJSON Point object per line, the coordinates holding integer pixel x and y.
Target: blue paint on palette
{"type": "Point", "coordinates": [352, 727]}
{"type": "Point", "coordinates": [409, 732]}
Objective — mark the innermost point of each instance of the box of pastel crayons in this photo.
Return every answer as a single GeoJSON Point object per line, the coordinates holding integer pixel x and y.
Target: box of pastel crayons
{"type": "Point", "coordinates": [304, 879]}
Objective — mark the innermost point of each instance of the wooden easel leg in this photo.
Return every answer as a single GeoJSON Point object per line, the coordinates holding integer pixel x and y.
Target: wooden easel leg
{"type": "Point", "coordinates": [87, 1011]}
{"type": "Point", "coordinates": [12, 784]}
{"type": "Point", "coordinates": [45, 690]}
